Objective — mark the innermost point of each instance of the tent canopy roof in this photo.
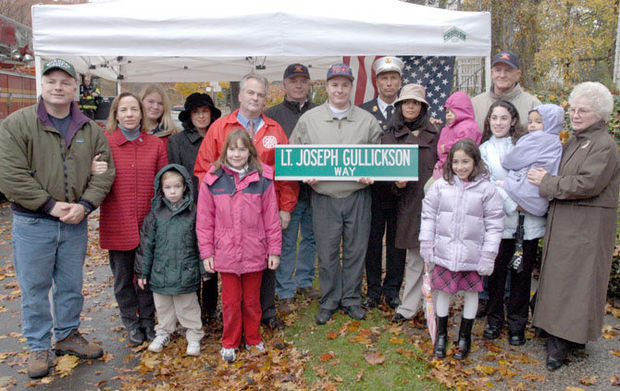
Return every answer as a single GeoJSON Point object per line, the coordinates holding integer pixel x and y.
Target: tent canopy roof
{"type": "Point", "coordinates": [191, 40]}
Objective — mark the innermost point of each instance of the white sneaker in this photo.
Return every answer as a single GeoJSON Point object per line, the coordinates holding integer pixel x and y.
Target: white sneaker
{"type": "Point", "coordinates": [159, 343]}
{"type": "Point", "coordinates": [228, 354]}
{"type": "Point", "coordinates": [193, 348]}
{"type": "Point", "coordinates": [260, 347]}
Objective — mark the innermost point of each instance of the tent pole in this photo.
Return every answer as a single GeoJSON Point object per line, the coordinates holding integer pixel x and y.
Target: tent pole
{"type": "Point", "coordinates": [38, 66]}
{"type": "Point", "coordinates": [487, 73]}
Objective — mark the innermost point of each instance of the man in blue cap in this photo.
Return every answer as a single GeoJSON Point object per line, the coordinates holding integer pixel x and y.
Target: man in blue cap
{"type": "Point", "coordinates": [340, 209]}
{"type": "Point", "coordinates": [505, 73]}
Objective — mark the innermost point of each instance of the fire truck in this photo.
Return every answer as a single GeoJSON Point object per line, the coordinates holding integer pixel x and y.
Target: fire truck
{"type": "Point", "coordinates": [17, 74]}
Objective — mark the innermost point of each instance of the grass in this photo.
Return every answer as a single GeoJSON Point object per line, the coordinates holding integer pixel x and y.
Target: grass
{"type": "Point", "coordinates": [338, 349]}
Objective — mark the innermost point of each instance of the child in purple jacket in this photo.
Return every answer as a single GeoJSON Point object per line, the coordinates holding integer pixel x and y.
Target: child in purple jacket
{"type": "Point", "coordinates": [540, 147]}
{"type": "Point", "coordinates": [461, 229]}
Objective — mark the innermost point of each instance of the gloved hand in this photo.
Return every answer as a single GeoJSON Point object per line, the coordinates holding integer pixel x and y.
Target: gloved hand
{"type": "Point", "coordinates": [426, 250]}
{"type": "Point", "coordinates": [486, 263]}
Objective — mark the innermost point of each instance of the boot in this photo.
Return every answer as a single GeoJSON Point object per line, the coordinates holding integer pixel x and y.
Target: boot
{"type": "Point", "coordinates": [442, 337]}
{"type": "Point", "coordinates": [464, 339]}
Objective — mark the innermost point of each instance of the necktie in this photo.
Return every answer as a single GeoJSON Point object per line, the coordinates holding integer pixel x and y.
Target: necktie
{"type": "Point", "coordinates": [389, 110]}
{"type": "Point", "coordinates": [251, 127]}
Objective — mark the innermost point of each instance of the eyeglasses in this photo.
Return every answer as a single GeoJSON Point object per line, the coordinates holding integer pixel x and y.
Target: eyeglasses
{"type": "Point", "coordinates": [579, 111]}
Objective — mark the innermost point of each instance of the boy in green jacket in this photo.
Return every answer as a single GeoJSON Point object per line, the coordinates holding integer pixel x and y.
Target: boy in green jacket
{"type": "Point", "coordinates": [169, 260]}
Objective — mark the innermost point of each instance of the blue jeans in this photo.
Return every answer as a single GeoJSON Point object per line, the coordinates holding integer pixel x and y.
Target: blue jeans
{"type": "Point", "coordinates": [305, 259]}
{"type": "Point", "coordinates": [49, 254]}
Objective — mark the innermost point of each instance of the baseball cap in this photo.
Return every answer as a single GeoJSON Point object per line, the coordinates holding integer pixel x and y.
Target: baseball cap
{"type": "Point", "coordinates": [59, 63]}
{"type": "Point", "coordinates": [340, 70]}
{"type": "Point", "coordinates": [296, 70]}
{"type": "Point", "coordinates": [507, 57]}
{"type": "Point", "coordinates": [388, 64]}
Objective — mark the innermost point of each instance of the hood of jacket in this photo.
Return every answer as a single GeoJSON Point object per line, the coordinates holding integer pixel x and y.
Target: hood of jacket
{"type": "Point", "coordinates": [552, 116]}
{"type": "Point", "coordinates": [188, 194]}
{"type": "Point", "coordinates": [461, 105]}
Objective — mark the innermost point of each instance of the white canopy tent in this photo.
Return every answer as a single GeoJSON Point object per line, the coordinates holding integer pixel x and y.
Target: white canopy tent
{"type": "Point", "coordinates": [196, 40]}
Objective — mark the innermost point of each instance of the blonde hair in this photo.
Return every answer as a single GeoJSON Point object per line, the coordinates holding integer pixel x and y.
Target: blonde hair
{"type": "Point", "coordinates": [233, 139]}
{"type": "Point", "coordinates": [172, 173]}
{"type": "Point", "coordinates": [112, 123]}
{"type": "Point", "coordinates": [165, 121]}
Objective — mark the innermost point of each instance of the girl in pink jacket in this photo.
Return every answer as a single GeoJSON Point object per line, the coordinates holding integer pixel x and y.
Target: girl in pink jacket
{"type": "Point", "coordinates": [461, 229]}
{"type": "Point", "coordinates": [239, 236]}
{"type": "Point", "coordinates": [460, 123]}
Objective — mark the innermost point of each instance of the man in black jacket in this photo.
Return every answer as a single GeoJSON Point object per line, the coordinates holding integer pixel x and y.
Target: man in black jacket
{"type": "Point", "coordinates": [302, 263]}
{"type": "Point", "coordinates": [388, 71]}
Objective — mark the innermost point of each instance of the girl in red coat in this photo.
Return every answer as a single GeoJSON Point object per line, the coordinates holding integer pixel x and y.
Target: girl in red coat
{"type": "Point", "coordinates": [138, 157]}
{"type": "Point", "coordinates": [239, 236]}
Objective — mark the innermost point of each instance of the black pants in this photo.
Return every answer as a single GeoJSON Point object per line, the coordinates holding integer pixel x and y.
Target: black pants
{"type": "Point", "coordinates": [520, 284]}
{"type": "Point", "coordinates": [268, 294]}
{"type": "Point", "coordinates": [208, 295]}
{"type": "Point", "coordinates": [383, 220]}
{"type": "Point", "coordinates": [135, 304]}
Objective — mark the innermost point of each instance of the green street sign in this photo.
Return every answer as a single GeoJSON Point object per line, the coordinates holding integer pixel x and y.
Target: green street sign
{"type": "Point", "coordinates": [346, 162]}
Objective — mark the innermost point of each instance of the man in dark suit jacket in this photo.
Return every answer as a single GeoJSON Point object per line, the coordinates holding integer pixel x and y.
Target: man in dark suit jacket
{"type": "Point", "coordinates": [388, 71]}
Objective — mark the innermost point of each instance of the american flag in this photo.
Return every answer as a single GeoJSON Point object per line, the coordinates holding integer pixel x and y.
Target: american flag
{"type": "Point", "coordinates": [434, 73]}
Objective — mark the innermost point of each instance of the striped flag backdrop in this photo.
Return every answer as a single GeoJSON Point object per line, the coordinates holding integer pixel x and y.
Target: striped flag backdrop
{"type": "Point", "coordinates": [434, 73]}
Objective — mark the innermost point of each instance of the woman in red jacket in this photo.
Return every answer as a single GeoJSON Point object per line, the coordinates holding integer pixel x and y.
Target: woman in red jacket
{"type": "Point", "coordinates": [138, 157]}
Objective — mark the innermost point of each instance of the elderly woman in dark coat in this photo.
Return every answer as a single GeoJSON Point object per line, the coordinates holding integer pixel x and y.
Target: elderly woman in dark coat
{"type": "Point", "coordinates": [410, 125]}
{"type": "Point", "coordinates": [198, 114]}
{"type": "Point", "coordinates": [581, 227]}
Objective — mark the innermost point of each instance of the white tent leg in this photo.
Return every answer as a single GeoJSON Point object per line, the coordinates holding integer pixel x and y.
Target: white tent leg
{"type": "Point", "coordinates": [487, 73]}
{"type": "Point", "coordinates": [38, 68]}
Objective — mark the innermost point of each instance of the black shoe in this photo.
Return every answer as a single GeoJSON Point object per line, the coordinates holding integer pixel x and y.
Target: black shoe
{"type": "Point", "coordinates": [398, 318]}
{"type": "Point", "coordinates": [355, 312]}
{"type": "Point", "coordinates": [442, 337]}
{"type": "Point", "coordinates": [516, 338]}
{"type": "Point", "coordinates": [392, 302]}
{"type": "Point", "coordinates": [491, 332]}
{"type": "Point", "coordinates": [482, 308]}
{"type": "Point", "coordinates": [540, 333]}
{"type": "Point", "coordinates": [323, 316]}
{"type": "Point", "coordinates": [136, 336]}
{"type": "Point", "coordinates": [553, 364]}
{"type": "Point", "coordinates": [149, 333]}
{"type": "Point", "coordinates": [464, 343]}
{"type": "Point", "coordinates": [371, 303]}
{"type": "Point", "coordinates": [273, 323]}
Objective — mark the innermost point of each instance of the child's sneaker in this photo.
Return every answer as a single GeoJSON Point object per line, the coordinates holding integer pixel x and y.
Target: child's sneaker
{"type": "Point", "coordinates": [228, 354]}
{"type": "Point", "coordinates": [193, 348]}
{"type": "Point", "coordinates": [260, 347]}
{"type": "Point", "coordinates": [159, 343]}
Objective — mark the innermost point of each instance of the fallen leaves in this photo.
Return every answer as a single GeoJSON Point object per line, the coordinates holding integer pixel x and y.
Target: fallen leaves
{"type": "Point", "coordinates": [66, 364]}
{"type": "Point", "coordinates": [374, 358]}
{"type": "Point", "coordinates": [327, 356]}
{"type": "Point", "coordinates": [588, 380]}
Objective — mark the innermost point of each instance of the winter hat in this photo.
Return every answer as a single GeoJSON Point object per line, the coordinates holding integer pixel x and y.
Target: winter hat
{"type": "Point", "coordinates": [195, 101]}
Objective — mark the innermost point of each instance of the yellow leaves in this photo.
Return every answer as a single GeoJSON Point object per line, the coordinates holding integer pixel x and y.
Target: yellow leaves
{"type": "Point", "coordinates": [572, 388]}
{"type": "Point", "coordinates": [615, 352]}
{"type": "Point", "coordinates": [588, 380]}
{"type": "Point", "coordinates": [66, 364]}
{"type": "Point", "coordinates": [485, 369]}
{"type": "Point", "coordinates": [608, 332]}
{"type": "Point", "coordinates": [396, 341]}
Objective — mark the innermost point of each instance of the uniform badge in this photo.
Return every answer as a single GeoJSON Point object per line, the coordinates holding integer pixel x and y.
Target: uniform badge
{"type": "Point", "coordinates": [374, 108]}
{"type": "Point", "coordinates": [270, 142]}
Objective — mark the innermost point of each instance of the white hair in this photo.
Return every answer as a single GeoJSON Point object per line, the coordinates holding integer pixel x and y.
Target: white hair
{"type": "Point", "coordinates": [599, 96]}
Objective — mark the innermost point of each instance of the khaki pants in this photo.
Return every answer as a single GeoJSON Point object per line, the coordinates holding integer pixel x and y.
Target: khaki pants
{"type": "Point", "coordinates": [184, 308]}
{"type": "Point", "coordinates": [412, 294]}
